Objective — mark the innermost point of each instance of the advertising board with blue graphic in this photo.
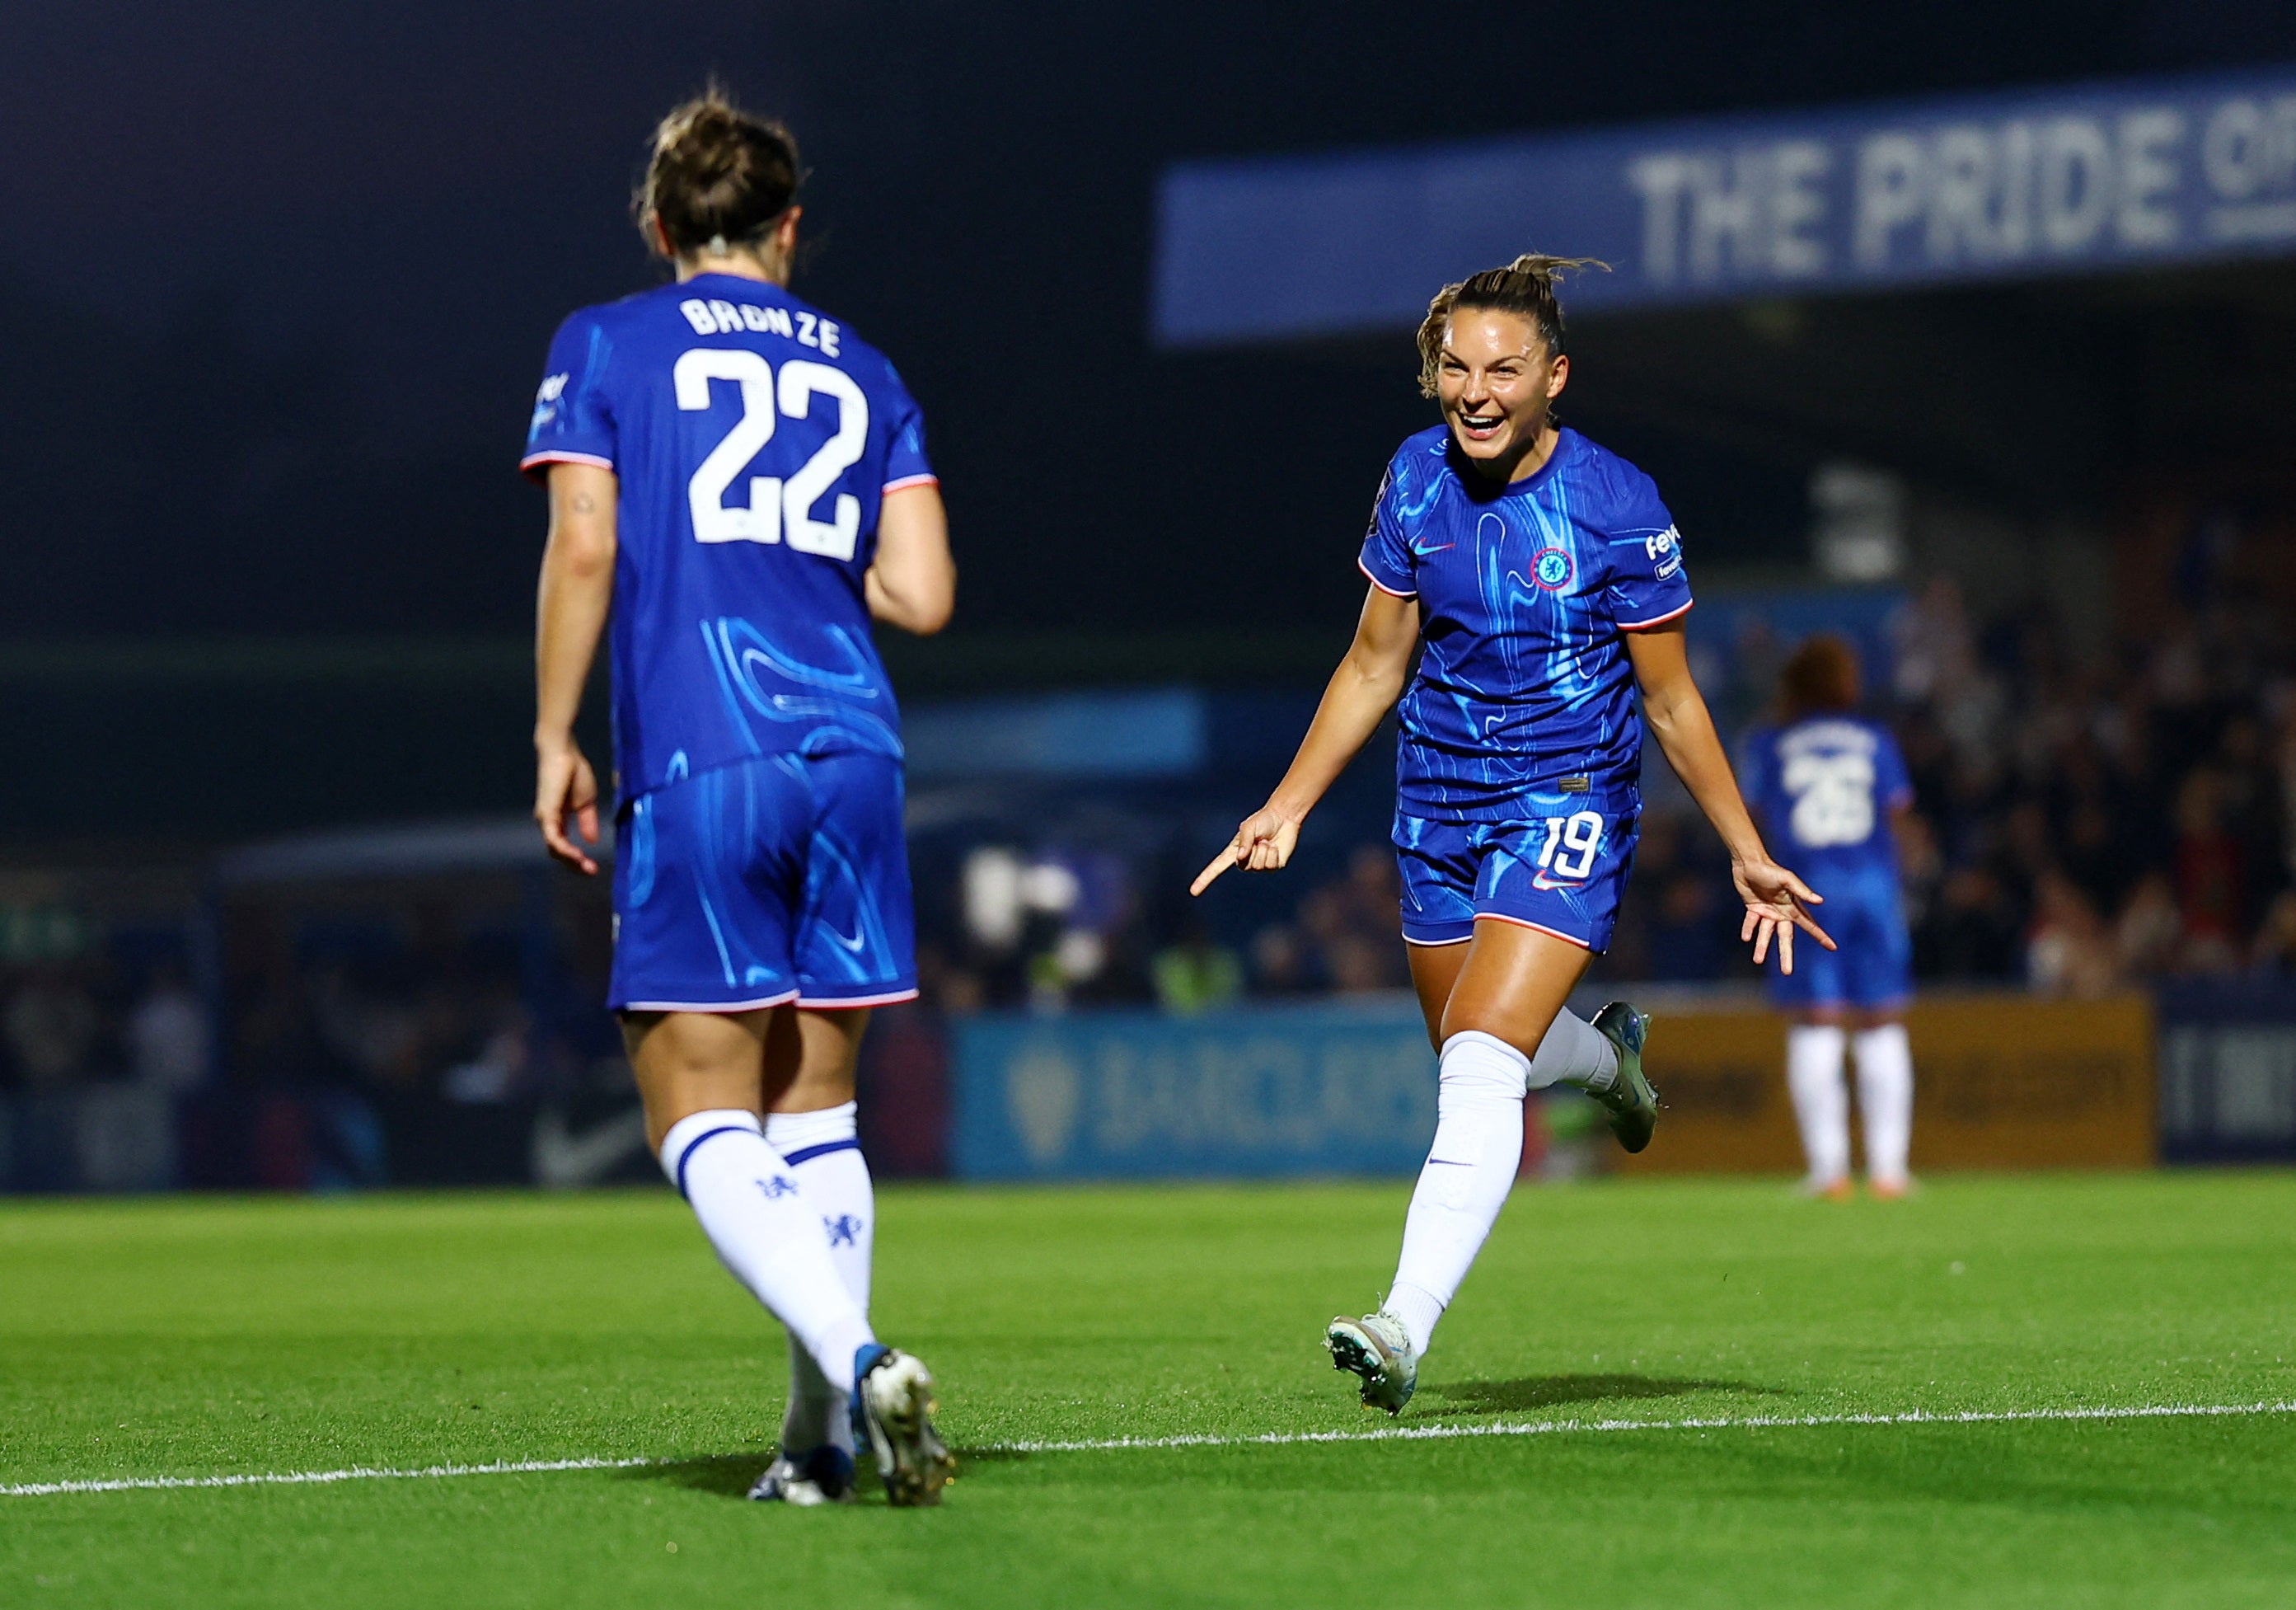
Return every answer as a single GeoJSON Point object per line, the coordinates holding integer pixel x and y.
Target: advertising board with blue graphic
{"type": "Point", "coordinates": [2018, 183]}
{"type": "Point", "coordinates": [1294, 1090]}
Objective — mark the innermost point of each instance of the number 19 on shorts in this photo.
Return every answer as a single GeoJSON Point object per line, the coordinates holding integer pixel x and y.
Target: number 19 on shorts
{"type": "Point", "coordinates": [1572, 843]}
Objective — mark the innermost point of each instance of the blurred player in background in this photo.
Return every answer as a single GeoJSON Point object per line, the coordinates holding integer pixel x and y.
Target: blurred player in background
{"type": "Point", "coordinates": [1545, 580]}
{"type": "Point", "coordinates": [744, 481]}
{"type": "Point", "coordinates": [1831, 787]}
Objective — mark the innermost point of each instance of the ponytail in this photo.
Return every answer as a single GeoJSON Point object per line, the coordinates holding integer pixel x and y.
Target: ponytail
{"type": "Point", "coordinates": [720, 177]}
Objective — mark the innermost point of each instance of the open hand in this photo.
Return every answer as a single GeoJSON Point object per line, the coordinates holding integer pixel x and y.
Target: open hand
{"type": "Point", "coordinates": [1774, 900]}
{"type": "Point", "coordinates": [1262, 845]}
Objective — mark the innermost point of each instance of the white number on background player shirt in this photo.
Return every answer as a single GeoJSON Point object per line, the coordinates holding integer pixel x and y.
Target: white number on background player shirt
{"type": "Point", "coordinates": [775, 506]}
{"type": "Point", "coordinates": [1833, 798]}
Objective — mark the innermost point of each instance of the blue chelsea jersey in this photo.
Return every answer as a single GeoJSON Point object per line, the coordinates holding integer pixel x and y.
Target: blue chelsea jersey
{"type": "Point", "coordinates": [754, 439]}
{"type": "Point", "coordinates": [1523, 685]}
{"type": "Point", "coordinates": [1824, 788]}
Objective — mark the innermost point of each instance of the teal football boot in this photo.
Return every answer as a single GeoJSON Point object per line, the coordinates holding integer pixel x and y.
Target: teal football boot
{"type": "Point", "coordinates": [1631, 1103]}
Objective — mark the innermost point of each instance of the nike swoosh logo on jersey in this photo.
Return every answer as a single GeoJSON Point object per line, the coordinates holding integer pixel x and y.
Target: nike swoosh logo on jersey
{"type": "Point", "coordinates": [1539, 880]}
{"type": "Point", "coordinates": [853, 944]}
{"type": "Point", "coordinates": [1422, 552]}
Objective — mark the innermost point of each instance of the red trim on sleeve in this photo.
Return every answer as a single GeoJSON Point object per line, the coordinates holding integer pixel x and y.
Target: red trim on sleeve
{"type": "Point", "coordinates": [528, 465]}
{"type": "Point", "coordinates": [1377, 582]}
{"type": "Point", "coordinates": [1643, 625]}
{"type": "Point", "coordinates": [907, 481]}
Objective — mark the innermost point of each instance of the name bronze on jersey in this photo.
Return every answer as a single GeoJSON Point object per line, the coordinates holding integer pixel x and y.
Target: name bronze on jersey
{"type": "Point", "coordinates": [717, 317]}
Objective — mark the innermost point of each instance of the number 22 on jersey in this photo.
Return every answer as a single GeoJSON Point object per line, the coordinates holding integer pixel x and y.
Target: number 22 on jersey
{"type": "Point", "coordinates": [778, 509]}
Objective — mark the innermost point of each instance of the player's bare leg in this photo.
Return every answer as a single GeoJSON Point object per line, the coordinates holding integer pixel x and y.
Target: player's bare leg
{"type": "Point", "coordinates": [695, 1062]}
{"type": "Point", "coordinates": [1504, 985]}
{"type": "Point", "coordinates": [1495, 1010]}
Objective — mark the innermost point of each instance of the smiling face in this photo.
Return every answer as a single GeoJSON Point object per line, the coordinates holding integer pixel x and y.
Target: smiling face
{"type": "Point", "coordinates": [1495, 380]}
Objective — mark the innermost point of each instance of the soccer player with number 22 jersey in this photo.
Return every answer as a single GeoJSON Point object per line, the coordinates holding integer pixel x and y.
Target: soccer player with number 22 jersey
{"type": "Point", "coordinates": [740, 483]}
{"type": "Point", "coordinates": [1543, 581]}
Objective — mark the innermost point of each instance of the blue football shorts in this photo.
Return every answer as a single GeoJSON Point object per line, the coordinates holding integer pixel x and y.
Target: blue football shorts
{"type": "Point", "coordinates": [1559, 868]}
{"type": "Point", "coordinates": [784, 878]}
{"type": "Point", "coordinates": [1873, 969]}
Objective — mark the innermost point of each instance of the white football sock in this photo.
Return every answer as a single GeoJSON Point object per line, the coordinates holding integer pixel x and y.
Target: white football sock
{"type": "Point", "coordinates": [1469, 1172]}
{"type": "Point", "coordinates": [1885, 1100]}
{"type": "Point", "coordinates": [1821, 1103]}
{"type": "Point", "coordinates": [1574, 1052]}
{"type": "Point", "coordinates": [747, 1197]}
{"type": "Point", "coordinates": [825, 1149]}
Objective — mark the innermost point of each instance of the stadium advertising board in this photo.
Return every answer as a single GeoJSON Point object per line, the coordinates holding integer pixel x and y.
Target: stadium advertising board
{"type": "Point", "coordinates": [1286, 1091]}
{"type": "Point", "coordinates": [2005, 1081]}
{"type": "Point", "coordinates": [2005, 185]}
{"type": "Point", "coordinates": [2001, 1081]}
{"type": "Point", "coordinates": [2228, 1070]}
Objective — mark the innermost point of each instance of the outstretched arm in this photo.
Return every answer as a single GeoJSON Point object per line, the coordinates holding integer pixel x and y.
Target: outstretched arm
{"type": "Point", "coordinates": [577, 590]}
{"type": "Point", "coordinates": [1365, 686]}
{"type": "Point", "coordinates": [1677, 716]}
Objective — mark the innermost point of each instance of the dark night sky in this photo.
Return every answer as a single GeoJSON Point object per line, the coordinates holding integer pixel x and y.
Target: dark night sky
{"type": "Point", "coordinates": [279, 277]}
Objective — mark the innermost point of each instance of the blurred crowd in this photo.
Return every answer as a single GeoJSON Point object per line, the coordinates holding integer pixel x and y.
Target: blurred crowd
{"type": "Point", "coordinates": [84, 1019]}
{"type": "Point", "coordinates": [2089, 825]}
{"type": "Point", "coordinates": [409, 1042]}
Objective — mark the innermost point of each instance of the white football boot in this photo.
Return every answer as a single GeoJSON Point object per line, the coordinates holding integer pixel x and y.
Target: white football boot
{"type": "Point", "coordinates": [1377, 1348]}
{"type": "Point", "coordinates": [823, 1476]}
{"type": "Point", "coordinates": [893, 1416]}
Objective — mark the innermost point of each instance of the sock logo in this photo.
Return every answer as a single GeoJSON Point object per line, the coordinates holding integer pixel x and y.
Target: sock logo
{"type": "Point", "coordinates": [844, 1230]}
{"type": "Point", "coordinates": [777, 1187]}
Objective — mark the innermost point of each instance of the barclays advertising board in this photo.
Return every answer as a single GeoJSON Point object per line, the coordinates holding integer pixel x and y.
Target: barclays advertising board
{"type": "Point", "coordinates": [1968, 187]}
{"type": "Point", "coordinates": [1311, 1089]}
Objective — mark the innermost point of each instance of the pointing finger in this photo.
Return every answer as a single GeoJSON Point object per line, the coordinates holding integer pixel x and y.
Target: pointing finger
{"type": "Point", "coordinates": [1220, 863]}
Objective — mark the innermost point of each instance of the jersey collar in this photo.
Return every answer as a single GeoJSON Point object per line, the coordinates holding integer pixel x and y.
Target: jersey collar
{"type": "Point", "coordinates": [1566, 446]}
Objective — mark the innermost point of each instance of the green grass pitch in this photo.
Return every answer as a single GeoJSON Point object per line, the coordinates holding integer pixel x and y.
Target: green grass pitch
{"type": "Point", "coordinates": [188, 1338]}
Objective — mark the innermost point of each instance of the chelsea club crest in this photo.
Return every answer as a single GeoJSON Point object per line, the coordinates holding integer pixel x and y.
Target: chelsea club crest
{"type": "Point", "coordinates": [1551, 569]}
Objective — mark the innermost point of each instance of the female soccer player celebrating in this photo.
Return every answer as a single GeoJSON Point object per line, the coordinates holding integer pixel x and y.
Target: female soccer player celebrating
{"type": "Point", "coordinates": [1546, 579]}
{"type": "Point", "coordinates": [744, 481]}
{"type": "Point", "coordinates": [1833, 789]}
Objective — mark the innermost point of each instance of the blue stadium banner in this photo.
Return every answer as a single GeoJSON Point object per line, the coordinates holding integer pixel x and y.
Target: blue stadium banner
{"type": "Point", "coordinates": [2229, 1069]}
{"type": "Point", "coordinates": [1999, 185]}
{"type": "Point", "coordinates": [1309, 1089]}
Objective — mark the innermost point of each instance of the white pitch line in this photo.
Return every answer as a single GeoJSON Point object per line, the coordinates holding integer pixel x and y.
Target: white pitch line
{"type": "Point", "coordinates": [1538, 1428]}
{"type": "Point", "coordinates": [1271, 1439]}
{"type": "Point", "coordinates": [308, 1478]}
